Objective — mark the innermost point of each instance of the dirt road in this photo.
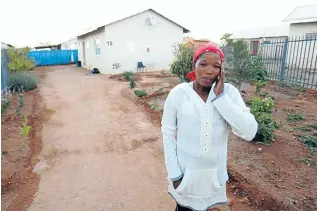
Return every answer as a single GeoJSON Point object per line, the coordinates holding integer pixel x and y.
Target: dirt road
{"type": "Point", "coordinates": [100, 152]}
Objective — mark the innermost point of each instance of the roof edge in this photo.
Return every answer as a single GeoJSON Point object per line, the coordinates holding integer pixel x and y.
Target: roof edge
{"type": "Point", "coordinates": [185, 30]}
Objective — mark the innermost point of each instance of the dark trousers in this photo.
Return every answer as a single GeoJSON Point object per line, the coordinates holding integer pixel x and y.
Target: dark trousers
{"type": "Point", "coordinates": [180, 208]}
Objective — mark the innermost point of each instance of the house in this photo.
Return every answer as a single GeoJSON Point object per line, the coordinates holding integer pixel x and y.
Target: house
{"type": "Point", "coordinates": [71, 44]}
{"type": "Point", "coordinates": [146, 37]}
{"type": "Point", "coordinates": [6, 46]}
{"type": "Point", "coordinates": [265, 35]}
{"type": "Point", "coordinates": [303, 36]}
{"type": "Point", "coordinates": [303, 21]}
{"type": "Point", "coordinates": [194, 43]}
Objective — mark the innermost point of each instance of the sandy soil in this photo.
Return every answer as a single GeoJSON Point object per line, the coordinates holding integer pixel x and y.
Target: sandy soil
{"type": "Point", "coordinates": [97, 155]}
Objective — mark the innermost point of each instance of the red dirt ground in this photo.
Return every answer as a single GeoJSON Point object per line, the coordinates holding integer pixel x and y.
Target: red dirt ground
{"type": "Point", "coordinates": [19, 155]}
{"type": "Point", "coordinates": [263, 177]}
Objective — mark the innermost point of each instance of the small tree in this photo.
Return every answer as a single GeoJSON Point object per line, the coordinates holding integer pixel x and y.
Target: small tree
{"type": "Point", "coordinates": [182, 63]}
{"type": "Point", "coordinates": [18, 60]}
{"type": "Point", "coordinates": [246, 67]}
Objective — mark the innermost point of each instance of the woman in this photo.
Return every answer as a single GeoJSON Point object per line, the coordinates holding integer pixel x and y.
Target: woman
{"type": "Point", "coordinates": [195, 127]}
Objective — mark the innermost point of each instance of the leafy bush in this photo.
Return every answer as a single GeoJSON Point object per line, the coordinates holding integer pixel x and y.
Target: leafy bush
{"type": "Point", "coordinates": [126, 75]}
{"type": "Point", "coordinates": [23, 80]}
{"type": "Point", "coordinates": [262, 110]}
{"type": "Point", "coordinates": [259, 86]}
{"type": "Point", "coordinates": [182, 63]}
{"type": "Point", "coordinates": [19, 61]}
{"type": "Point", "coordinates": [140, 93]}
{"type": "Point", "coordinates": [132, 82]}
{"type": "Point", "coordinates": [310, 141]}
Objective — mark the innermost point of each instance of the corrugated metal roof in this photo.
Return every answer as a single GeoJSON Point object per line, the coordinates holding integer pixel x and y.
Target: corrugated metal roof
{"type": "Point", "coordinates": [269, 31]}
{"type": "Point", "coordinates": [303, 14]}
{"type": "Point", "coordinates": [94, 28]}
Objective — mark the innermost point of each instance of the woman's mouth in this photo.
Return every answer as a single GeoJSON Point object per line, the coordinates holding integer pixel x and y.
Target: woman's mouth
{"type": "Point", "coordinates": [207, 79]}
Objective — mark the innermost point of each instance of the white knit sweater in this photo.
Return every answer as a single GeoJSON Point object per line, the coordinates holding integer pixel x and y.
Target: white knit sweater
{"type": "Point", "coordinates": [195, 138]}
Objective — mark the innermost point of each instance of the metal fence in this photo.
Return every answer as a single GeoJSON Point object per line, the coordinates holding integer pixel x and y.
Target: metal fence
{"type": "Point", "coordinates": [288, 60]}
{"type": "Point", "coordinates": [4, 69]}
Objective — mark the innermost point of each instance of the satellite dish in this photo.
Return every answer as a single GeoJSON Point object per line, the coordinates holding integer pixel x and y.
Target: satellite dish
{"type": "Point", "coordinates": [153, 21]}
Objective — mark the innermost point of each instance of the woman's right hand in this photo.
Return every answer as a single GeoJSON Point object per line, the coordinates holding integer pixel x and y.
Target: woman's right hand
{"type": "Point", "coordinates": [176, 183]}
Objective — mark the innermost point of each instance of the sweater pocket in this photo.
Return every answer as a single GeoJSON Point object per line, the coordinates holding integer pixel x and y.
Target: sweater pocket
{"type": "Point", "coordinates": [200, 183]}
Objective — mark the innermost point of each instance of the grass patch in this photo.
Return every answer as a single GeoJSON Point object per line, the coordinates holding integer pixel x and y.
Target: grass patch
{"type": "Point", "coordinates": [304, 129]}
{"type": "Point", "coordinates": [140, 93]}
{"type": "Point", "coordinates": [314, 126]}
{"type": "Point", "coordinates": [308, 161]}
{"type": "Point", "coordinates": [295, 117]}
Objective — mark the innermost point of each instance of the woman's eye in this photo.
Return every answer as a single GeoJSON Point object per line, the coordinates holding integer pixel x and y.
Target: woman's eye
{"type": "Point", "coordinates": [203, 65]}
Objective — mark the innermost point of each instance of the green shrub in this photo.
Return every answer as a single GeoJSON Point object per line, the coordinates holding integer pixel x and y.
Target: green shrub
{"type": "Point", "coordinates": [310, 141]}
{"type": "Point", "coordinates": [126, 75]}
{"type": "Point", "coordinates": [140, 93]}
{"type": "Point", "coordinates": [132, 81]}
{"type": "Point", "coordinates": [266, 105]}
{"type": "Point", "coordinates": [259, 86]}
{"type": "Point", "coordinates": [262, 110]}
{"type": "Point", "coordinates": [19, 61]}
{"type": "Point", "coordinates": [22, 80]}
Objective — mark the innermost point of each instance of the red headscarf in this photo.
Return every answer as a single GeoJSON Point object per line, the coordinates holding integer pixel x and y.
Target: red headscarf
{"type": "Point", "coordinates": [203, 49]}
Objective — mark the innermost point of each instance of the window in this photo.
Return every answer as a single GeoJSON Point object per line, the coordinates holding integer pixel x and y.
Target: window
{"type": "Point", "coordinates": [97, 46]}
{"type": "Point", "coordinates": [311, 35]}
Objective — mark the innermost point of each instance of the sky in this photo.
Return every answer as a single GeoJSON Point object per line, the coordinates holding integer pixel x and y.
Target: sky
{"type": "Point", "coordinates": [31, 22]}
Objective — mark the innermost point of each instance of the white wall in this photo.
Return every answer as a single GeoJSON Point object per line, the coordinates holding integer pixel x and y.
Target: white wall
{"type": "Point", "coordinates": [70, 44]}
{"type": "Point", "coordinates": [301, 53]}
{"type": "Point", "coordinates": [299, 29]}
{"type": "Point", "coordinates": [92, 60]}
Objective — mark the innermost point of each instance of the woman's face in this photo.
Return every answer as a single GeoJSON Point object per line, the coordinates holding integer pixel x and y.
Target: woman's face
{"type": "Point", "coordinates": [207, 68]}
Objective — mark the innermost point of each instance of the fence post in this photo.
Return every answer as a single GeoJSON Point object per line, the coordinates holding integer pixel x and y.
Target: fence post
{"type": "Point", "coordinates": [284, 57]}
{"type": "Point", "coordinates": [4, 69]}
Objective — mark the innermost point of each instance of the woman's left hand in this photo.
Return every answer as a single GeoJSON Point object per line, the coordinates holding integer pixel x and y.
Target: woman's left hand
{"type": "Point", "coordinates": [219, 84]}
